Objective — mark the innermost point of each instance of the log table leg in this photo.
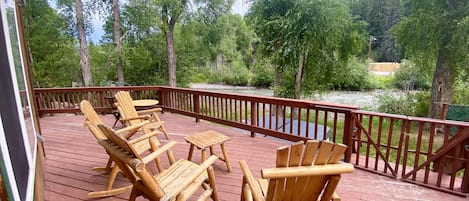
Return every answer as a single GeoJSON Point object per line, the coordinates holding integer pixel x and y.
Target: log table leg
{"type": "Point", "coordinates": [225, 156]}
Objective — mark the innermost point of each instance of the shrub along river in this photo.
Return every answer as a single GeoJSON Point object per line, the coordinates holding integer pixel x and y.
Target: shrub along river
{"type": "Point", "coordinates": [367, 100]}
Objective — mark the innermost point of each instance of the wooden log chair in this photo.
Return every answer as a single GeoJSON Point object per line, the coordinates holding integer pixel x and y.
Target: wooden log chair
{"type": "Point", "coordinates": [130, 116]}
{"type": "Point", "coordinates": [179, 182]}
{"type": "Point", "coordinates": [302, 172]}
{"type": "Point", "coordinates": [149, 144]}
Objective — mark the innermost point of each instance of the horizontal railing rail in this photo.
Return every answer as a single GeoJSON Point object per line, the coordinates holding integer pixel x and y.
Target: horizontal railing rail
{"type": "Point", "coordinates": [423, 151]}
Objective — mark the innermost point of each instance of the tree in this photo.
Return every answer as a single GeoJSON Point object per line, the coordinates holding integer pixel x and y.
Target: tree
{"type": "Point", "coordinates": [214, 15]}
{"type": "Point", "coordinates": [169, 12]}
{"type": "Point", "coordinates": [54, 62]}
{"type": "Point", "coordinates": [118, 42]}
{"type": "Point", "coordinates": [308, 40]}
{"type": "Point", "coordinates": [74, 11]}
{"type": "Point", "coordinates": [84, 53]}
{"type": "Point", "coordinates": [381, 16]}
{"type": "Point", "coordinates": [435, 37]}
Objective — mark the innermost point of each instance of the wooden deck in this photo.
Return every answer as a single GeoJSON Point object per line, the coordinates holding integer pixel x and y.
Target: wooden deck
{"type": "Point", "coordinates": [71, 152]}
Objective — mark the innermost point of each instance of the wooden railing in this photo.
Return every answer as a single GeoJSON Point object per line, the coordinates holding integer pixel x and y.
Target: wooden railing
{"type": "Point", "coordinates": [423, 151]}
{"type": "Point", "coordinates": [427, 152]}
{"type": "Point", "coordinates": [287, 119]}
{"type": "Point", "coordinates": [67, 100]}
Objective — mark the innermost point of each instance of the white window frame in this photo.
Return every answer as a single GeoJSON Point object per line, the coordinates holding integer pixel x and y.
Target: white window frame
{"type": "Point", "coordinates": [31, 157]}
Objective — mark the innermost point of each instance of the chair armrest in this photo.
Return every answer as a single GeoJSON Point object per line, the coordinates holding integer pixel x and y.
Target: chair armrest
{"type": "Point", "coordinates": [143, 137]}
{"type": "Point", "coordinates": [329, 169]}
{"type": "Point", "coordinates": [152, 110]}
{"type": "Point", "coordinates": [133, 127]}
{"type": "Point", "coordinates": [253, 185]}
{"type": "Point", "coordinates": [159, 151]}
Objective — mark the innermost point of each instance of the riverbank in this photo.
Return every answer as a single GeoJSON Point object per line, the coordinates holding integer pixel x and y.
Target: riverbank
{"type": "Point", "coordinates": [364, 99]}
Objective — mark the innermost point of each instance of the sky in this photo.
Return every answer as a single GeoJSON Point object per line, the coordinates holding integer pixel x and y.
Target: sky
{"type": "Point", "coordinates": [239, 7]}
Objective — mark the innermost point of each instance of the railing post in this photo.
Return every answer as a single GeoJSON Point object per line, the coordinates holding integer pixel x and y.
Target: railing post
{"type": "Point", "coordinates": [196, 102]}
{"type": "Point", "coordinates": [161, 97]}
{"type": "Point", "coordinates": [348, 135]}
{"type": "Point", "coordinates": [465, 180]}
{"type": "Point", "coordinates": [253, 117]}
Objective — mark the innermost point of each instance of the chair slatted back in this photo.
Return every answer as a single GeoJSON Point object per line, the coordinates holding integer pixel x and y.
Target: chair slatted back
{"type": "Point", "coordinates": [145, 182]}
{"type": "Point", "coordinates": [125, 107]}
{"type": "Point", "coordinates": [92, 119]}
{"type": "Point", "coordinates": [117, 139]}
{"type": "Point", "coordinates": [310, 187]}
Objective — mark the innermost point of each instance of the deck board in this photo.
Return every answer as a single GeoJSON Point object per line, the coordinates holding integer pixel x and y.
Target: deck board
{"type": "Point", "coordinates": [71, 152]}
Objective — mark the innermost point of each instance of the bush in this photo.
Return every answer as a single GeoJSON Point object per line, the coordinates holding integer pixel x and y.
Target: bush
{"type": "Point", "coordinates": [263, 76]}
{"type": "Point", "coordinates": [355, 78]}
{"type": "Point", "coordinates": [381, 82]}
{"type": "Point", "coordinates": [460, 93]}
{"type": "Point", "coordinates": [394, 105]}
{"type": "Point", "coordinates": [409, 77]}
{"type": "Point", "coordinates": [412, 104]}
{"type": "Point", "coordinates": [422, 103]}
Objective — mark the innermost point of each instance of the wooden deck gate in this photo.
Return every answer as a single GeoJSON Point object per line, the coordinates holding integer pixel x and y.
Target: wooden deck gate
{"type": "Point", "coordinates": [421, 151]}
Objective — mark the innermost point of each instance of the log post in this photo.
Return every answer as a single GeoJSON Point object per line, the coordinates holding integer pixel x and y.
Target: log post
{"type": "Point", "coordinates": [253, 117]}
{"type": "Point", "coordinates": [348, 135]}
{"type": "Point", "coordinates": [196, 101]}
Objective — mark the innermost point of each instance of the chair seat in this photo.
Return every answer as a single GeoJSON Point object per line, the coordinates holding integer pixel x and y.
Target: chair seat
{"type": "Point", "coordinates": [171, 179]}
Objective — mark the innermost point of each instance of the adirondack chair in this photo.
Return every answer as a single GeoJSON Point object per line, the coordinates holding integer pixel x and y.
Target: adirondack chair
{"type": "Point", "coordinates": [130, 116]}
{"type": "Point", "coordinates": [179, 182]}
{"type": "Point", "coordinates": [303, 172]}
{"type": "Point", "coordinates": [91, 122]}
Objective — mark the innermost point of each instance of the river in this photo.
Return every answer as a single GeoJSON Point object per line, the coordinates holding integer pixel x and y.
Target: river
{"type": "Point", "coordinates": [364, 99]}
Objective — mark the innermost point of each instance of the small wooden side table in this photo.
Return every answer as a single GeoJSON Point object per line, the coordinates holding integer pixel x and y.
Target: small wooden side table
{"type": "Point", "coordinates": [206, 140]}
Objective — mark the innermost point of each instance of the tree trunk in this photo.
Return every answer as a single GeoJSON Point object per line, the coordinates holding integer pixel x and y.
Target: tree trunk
{"type": "Point", "coordinates": [442, 86]}
{"type": "Point", "coordinates": [299, 76]}
{"type": "Point", "coordinates": [277, 81]}
{"type": "Point", "coordinates": [84, 54]}
{"type": "Point", "coordinates": [277, 110]}
{"type": "Point", "coordinates": [117, 42]}
{"type": "Point", "coordinates": [298, 81]}
{"type": "Point", "coordinates": [171, 56]}
{"type": "Point", "coordinates": [219, 63]}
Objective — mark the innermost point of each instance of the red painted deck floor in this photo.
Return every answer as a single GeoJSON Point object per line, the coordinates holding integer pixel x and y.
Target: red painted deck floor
{"type": "Point", "coordinates": [71, 152]}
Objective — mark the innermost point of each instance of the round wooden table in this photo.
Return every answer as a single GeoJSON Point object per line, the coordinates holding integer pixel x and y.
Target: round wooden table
{"type": "Point", "coordinates": [144, 102]}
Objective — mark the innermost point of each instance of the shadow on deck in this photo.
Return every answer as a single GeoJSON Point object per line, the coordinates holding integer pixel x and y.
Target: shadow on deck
{"type": "Point", "coordinates": [71, 152]}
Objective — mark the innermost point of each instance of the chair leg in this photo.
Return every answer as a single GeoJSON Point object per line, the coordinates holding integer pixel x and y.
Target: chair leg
{"type": "Point", "coordinates": [133, 194]}
{"type": "Point", "coordinates": [225, 157]}
{"type": "Point", "coordinates": [242, 189]}
{"type": "Point", "coordinates": [211, 180]}
{"type": "Point", "coordinates": [191, 151]}
{"type": "Point", "coordinates": [163, 130]}
{"type": "Point", "coordinates": [107, 168]}
{"type": "Point", "coordinates": [112, 177]}
{"type": "Point", "coordinates": [329, 190]}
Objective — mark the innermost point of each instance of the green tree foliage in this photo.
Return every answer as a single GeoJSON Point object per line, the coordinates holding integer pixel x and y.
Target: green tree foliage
{"type": "Point", "coordinates": [435, 37]}
{"type": "Point", "coordinates": [381, 16]}
{"type": "Point", "coordinates": [55, 59]}
{"type": "Point", "coordinates": [310, 42]}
